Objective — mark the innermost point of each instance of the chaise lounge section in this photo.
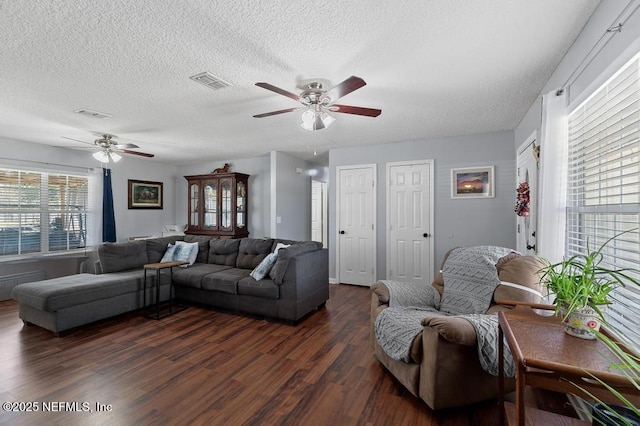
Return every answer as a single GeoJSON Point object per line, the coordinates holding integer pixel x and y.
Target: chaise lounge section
{"type": "Point", "coordinates": [220, 277]}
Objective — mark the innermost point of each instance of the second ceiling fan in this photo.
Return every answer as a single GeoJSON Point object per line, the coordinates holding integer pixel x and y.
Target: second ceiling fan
{"type": "Point", "coordinates": [108, 148]}
{"type": "Point", "coordinates": [318, 102]}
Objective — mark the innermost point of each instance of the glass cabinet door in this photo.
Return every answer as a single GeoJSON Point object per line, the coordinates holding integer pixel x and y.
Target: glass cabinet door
{"type": "Point", "coordinates": [218, 205]}
{"type": "Point", "coordinates": [225, 205]}
{"type": "Point", "coordinates": [193, 204]}
{"type": "Point", "coordinates": [241, 199]}
{"type": "Point", "coordinates": [210, 212]}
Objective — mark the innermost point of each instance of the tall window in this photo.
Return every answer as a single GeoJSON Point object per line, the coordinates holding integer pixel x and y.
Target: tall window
{"type": "Point", "coordinates": [42, 212]}
{"type": "Point", "coordinates": [603, 196]}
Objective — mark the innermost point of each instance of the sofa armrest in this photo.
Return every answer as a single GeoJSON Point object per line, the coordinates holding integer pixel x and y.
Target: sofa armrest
{"type": "Point", "coordinates": [305, 284]}
{"type": "Point", "coordinates": [381, 291]}
{"type": "Point", "coordinates": [453, 329]}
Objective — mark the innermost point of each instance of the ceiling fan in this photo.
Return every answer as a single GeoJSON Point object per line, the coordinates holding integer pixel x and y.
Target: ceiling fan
{"type": "Point", "coordinates": [318, 102]}
{"type": "Point", "coordinates": [109, 148]}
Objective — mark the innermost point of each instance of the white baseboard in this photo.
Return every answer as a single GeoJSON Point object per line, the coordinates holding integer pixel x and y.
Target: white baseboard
{"type": "Point", "coordinates": [333, 281]}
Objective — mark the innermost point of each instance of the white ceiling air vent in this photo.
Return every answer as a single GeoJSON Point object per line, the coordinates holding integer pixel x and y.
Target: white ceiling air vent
{"type": "Point", "coordinates": [210, 80]}
{"type": "Point", "coordinates": [92, 113]}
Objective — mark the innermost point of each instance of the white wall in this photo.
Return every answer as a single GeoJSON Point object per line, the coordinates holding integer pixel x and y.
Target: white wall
{"type": "Point", "coordinates": [258, 168]}
{"type": "Point", "coordinates": [616, 52]}
{"type": "Point", "coordinates": [457, 222]}
{"type": "Point", "coordinates": [142, 222]}
{"type": "Point", "coordinates": [291, 199]}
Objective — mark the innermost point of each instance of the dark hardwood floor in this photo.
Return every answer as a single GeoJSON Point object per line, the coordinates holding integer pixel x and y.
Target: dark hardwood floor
{"type": "Point", "coordinates": [206, 367]}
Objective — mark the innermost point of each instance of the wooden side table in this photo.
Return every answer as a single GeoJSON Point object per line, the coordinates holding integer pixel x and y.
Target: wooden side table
{"type": "Point", "coordinates": [547, 357]}
{"type": "Point", "coordinates": [157, 267]}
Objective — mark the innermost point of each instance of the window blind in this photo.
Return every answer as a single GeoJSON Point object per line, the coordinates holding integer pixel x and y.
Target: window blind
{"type": "Point", "coordinates": [603, 188]}
{"type": "Point", "coordinates": [42, 212]}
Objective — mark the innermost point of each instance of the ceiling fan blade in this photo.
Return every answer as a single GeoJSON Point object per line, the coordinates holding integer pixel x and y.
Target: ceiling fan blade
{"type": "Point", "coordinates": [346, 87]}
{"type": "Point", "coordinates": [124, 145]}
{"type": "Point", "coordinates": [282, 111]}
{"type": "Point", "coordinates": [347, 109]}
{"type": "Point", "coordinates": [77, 140]}
{"type": "Point", "coordinates": [141, 154]}
{"type": "Point", "coordinates": [279, 91]}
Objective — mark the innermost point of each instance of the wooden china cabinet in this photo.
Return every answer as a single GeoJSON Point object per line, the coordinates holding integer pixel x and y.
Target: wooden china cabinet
{"type": "Point", "coordinates": [217, 204]}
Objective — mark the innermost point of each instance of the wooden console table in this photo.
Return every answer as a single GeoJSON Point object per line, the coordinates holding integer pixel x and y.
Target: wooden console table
{"type": "Point", "coordinates": [546, 357]}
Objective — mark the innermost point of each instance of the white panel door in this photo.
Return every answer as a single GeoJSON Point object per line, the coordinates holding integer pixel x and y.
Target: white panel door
{"type": "Point", "coordinates": [318, 208]}
{"type": "Point", "coordinates": [527, 176]}
{"type": "Point", "coordinates": [410, 221]}
{"type": "Point", "coordinates": [356, 231]}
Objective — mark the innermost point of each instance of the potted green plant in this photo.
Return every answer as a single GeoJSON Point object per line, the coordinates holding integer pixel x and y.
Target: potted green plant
{"type": "Point", "coordinates": [581, 287]}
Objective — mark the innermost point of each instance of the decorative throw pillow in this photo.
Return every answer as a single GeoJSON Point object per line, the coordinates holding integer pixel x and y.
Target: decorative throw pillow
{"type": "Point", "coordinates": [185, 252]}
{"type": "Point", "coordinates": [168, 254]}
{"type": "Point", "coordinates": [261, 271]}
{"type": "Point", "coordinates": [280, 246]}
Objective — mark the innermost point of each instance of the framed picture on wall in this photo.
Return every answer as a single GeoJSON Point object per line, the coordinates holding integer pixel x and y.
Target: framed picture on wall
{"type": "Point", "coordinates": [145, 194]}
{"type": "Point", "coordinates": [472, 182]}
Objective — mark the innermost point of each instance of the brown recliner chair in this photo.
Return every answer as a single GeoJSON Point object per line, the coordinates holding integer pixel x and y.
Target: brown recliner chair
{"type": "Point", "coordinates": [445, 370]}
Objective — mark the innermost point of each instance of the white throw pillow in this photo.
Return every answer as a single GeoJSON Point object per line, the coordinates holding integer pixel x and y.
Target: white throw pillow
{"type": "Point", "coordinates": [168, 255]}
{"type": "Point", "coordinates": [280, 246]}
{"type": "Point", "coordinates": [185, 252]}
{"type": "Point", "coordinates": [261, 271]}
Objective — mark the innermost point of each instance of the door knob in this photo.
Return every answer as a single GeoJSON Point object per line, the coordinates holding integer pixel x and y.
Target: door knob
{"type": "Point", "coordinates": [342, 232]}
{"type": "Point", "coordinates": [426, 235]}
{"type": "Point", "coordinates": [529, 247]}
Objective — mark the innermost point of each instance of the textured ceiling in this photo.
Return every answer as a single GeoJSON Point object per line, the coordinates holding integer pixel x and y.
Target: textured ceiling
{"type": "Point", "coordinates": [435, 68]}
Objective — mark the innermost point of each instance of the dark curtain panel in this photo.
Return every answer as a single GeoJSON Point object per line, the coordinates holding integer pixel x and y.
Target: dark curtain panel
{"type": "Point", "coordinates": [108, 216]}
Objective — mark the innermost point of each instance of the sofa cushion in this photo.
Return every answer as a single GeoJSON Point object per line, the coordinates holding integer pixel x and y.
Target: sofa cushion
{"type": "Point", "coordinates": [223, 252]}
{"type": "Point", "coordinates": [264, 288]}
{"type": "Point", "coordinates": [522, 270]}
{"type": "Point", "coordinates": [116, 257]}
{"type": "Point", "coordinates": [225, 281]}
{"type": "Point", "coordinates": [63, 292]}
{"type": "Point", "coordinates": [203, 245]}
{"type": "Point", "coordinates": [192, 276]}
{"type": "Point", "coordinates": [156, 247]}
{"type": "Point", "coordinates": [285, 254]}
{"type": "Point", "coordinates": [252, 251]}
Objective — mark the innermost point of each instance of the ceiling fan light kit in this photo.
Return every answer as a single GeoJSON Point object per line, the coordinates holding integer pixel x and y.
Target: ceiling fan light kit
{"type": "Point", "coordinates": [316, 120]}
{"type": "Point", "coordinates": [104, 156]}
{"type": "Point", "coordinates": [318, 101]}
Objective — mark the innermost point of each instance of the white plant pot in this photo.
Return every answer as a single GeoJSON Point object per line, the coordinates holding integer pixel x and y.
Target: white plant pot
{"type": "Point", "coordinates": [581, 322]}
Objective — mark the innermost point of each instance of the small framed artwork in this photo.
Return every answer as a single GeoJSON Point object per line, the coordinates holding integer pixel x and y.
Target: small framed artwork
{"type": "Point", "coordinates": [145, 194]}
{"type": "Point", "coordinates": [472, 182]}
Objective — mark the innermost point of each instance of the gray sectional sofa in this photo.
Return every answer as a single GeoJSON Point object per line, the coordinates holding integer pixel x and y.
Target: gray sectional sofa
{"type": "Point", "coordinates": [297, 284]}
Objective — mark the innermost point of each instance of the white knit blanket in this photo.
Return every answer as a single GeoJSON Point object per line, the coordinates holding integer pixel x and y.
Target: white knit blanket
{"type": "Point", "coordinates": [470, 279]}
{"type": "Point", "coordinates": [400, 323]}
{"type": "Point", "coordinates": [487, 330]}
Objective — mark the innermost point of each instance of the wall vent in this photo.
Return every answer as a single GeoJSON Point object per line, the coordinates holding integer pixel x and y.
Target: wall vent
{"type": "Point", "coordinates": [92, 113]}
{"type": "Point", "coordinates": [210, 80]}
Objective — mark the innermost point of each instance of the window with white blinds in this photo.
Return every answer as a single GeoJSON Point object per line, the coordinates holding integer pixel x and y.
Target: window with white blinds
{"type": "Point", "coordinates": [42, 212]}
{"type": "Point", "coordinates": [603, 197]}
